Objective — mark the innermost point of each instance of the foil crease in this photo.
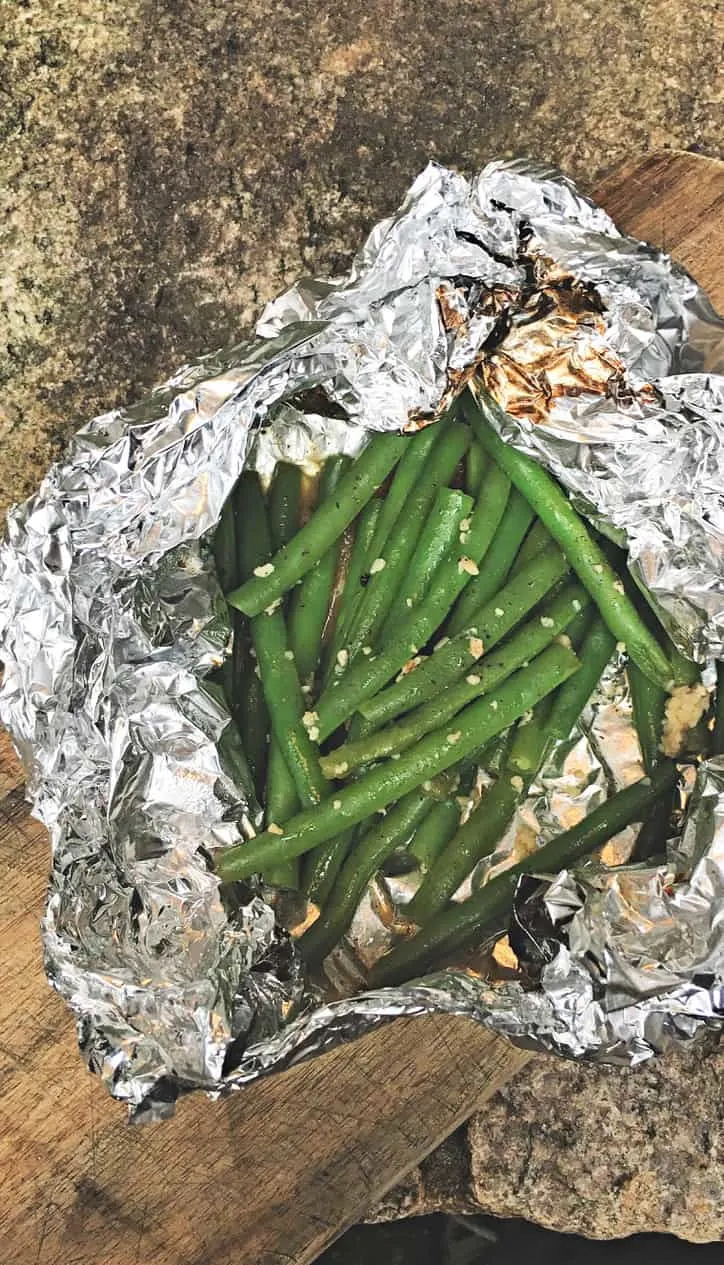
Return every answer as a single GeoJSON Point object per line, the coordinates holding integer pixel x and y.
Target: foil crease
{"type": "Point", "coordinates": [111, 616]}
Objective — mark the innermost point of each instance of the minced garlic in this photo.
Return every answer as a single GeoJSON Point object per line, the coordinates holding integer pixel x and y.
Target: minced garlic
{"type": "Point", "coordinates": [684, 709]}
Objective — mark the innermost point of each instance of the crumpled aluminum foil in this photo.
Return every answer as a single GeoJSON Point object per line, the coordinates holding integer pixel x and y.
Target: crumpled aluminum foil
{"type": "Point", "coordinates": [111, 615]}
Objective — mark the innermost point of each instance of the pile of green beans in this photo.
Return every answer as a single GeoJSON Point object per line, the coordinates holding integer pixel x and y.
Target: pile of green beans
{"type": "Point", "coordinates": [443, 610]}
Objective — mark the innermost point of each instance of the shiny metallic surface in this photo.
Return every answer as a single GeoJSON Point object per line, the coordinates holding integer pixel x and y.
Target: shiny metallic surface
{"type": "Point", "coordinates": [111, 615]}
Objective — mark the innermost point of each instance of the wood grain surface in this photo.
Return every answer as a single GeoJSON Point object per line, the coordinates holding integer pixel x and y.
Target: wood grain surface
{"type": "Point", "coordinates": [271, 1176]}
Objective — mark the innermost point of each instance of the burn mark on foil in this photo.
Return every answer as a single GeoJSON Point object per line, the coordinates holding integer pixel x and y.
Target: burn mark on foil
{"type": "Point", "coordinates": [555, 347]}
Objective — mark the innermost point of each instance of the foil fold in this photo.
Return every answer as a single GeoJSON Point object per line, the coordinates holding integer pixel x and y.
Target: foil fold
{"type": "Point", "coordinates": [605, 354]}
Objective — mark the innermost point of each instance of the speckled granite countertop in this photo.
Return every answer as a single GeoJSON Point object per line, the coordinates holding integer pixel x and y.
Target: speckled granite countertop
{"type": "Point", "coordinates": [584, 1150]}
{"type": "Point", "coordinates": [167, 166]}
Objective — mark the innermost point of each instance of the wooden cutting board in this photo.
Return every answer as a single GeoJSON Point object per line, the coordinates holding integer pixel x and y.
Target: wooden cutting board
{"type": "Point", "coordinates": [273, 1175]}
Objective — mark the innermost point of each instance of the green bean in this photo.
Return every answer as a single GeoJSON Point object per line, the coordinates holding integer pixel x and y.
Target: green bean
{"type": "Point", "coordinates": [458, 927]}
{"type": "Point", "coordinates": [235, 764]}
{"type": "Point", "coordinates": [285, 702]}
{"type": "Point", "coordinates": [499, 559]}
{"type": "Point", "coordinates": [367, 677]}
{"type": "Point", "coordinates": [489, 757]}
{"type": "Point", "coordinates": [284, 500]}
{"type": "Point", "coordinates": [323, 864]}
{"type": "Point", "coordinates": [310, 600]}
{"type": "Point", "coordinates": [452, 659]}
{"type": "Point", "coordinates": [280, 682]}
{"type": "Point", "coordinates": [413, 459]}
{"type": "Point", "coordinates": [355, 582]}
{"type": "Point", "coordinates": [685, 671]}
{"type": "Point", "coordinates": [387, 573]}
{"type": "Point", "coordinates": [648, 702]}
{"type": "Point", "coordinates": [231, 752]}
{"type": "Point", "coordinates": [653, 835]}
{"type": "Point", "coordinates": [249, 707]}
{"type": "Point", "coordinates": [475, 466]}
{"type": "Point", "coordinates": [552, 617]}
{"type": "Point", "coordinates": [485, 519]}
{"type": "Point", "coordinates": [493, 755]}
{"type": "Point", "coordinates": [584, 554]}
{"type": "Point", "coordinates": [225, 547]}
{"type": "Point", "coordinates": [282, 802]}
{"type": "Point", "coordinates": [579, 627]}
{"type": "Point", "coordinates": [252, 718]}
{"type": "Point", "coordinates": [486, 826]}
{"type": "Point", "coordinates": [717, 745]}
{"type": "Point", "coordinates": [439, 534]}
{"type": "Point", "coordinates": [513, 602]}
{"type": "Point", "coordinates": [379, 842]}
{"type": "Point", "coordinates": [434, 832]}
{"type": "Point", "coordinates": [430, 839]}
{"type": "Point", "coordinates": [455, 657]}
{"type": "Point", "coordinates": [538, 538]}
{"type": "Point", "coordinates": [490, 672]}
{"type": "Point", "coordinates": [319, 534]}
{"type": "Point", "coordinates": [388, 782]}
{"type": "Point", "coordinates": [596, 650]}
{"type": "Point", "coordinates": [224, 678]}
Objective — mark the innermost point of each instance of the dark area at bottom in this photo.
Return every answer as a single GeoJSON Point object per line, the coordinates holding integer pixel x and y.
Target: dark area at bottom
{"type": "Point", "coordinates": [451, 1240]}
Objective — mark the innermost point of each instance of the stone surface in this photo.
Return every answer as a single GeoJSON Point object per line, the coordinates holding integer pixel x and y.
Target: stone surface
{"type": "Point", "coordinates": [595, 1151]}
{"type": "Point", "coordinates": [167, 166]}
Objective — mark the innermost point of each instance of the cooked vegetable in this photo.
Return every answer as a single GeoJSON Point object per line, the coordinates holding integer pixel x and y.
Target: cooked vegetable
{"type": "Point", "coordinates": [310, 600]}
{"type": "Point", "coordinates": [357, 578]}
{"type": "Point", "coordinates": [461, 926]}
{"type": "Point", "coordinates": [488, 823]}
{"type": "Point", "coordinates": [231, 752]}
{"type": "Point", "coordinates": [285, 494]}
{"type": "Point", "coordinates": [275, 659]}
{"type": "Point", "coordinates": [434, 832]}
{"type": "Point", "coordinates": [417, 448]}
{"type": "Point", "coordinates": [457, 656]}
{"type": "Point", "coordinates": [387, 571]}
{"type": "Point", "coordinates": [247, 702]}
{"type": "Point", "coordinates": [717, 745]}
{"type": "Point", "coordinates": [648, 702]}
{"type": "Point", "coordinates": [585, 556]}
{"type": "Point", "coordinates": [322, 865]}
{"type": "Point", "coordinates": [502, 614]}
{"type": "Point", "coordinates": [225, 555]}
{"type": "Point", "coordinates": [538, 538]}
{"type": "Point", "coordinates": [333, 622]}
{"type": "Point", "coordinates": [442, 530]}
{"type": "Point", "coordinates": [596, 649]}
{"type": "Point", "coordinates": [475, 465]}
{"type": "Point", "coordinates": [494, 668]}
{"type": "Point", "coordinates": [273, 577]}
{"type": "Point", "coordinates": [250, 710]}
{"type": "Point", "coordinates": [282, 800]}
{"type": "Point", "coordinates": [452, 658]}
{"type": "Point", "coordinates": [499, 560]}
{"type": "Point", "coordinates": [382, 838]}
{"type": "Point", "coordinates": [390, 781]}
{"type": "Point", "coordinates": [654, 832]}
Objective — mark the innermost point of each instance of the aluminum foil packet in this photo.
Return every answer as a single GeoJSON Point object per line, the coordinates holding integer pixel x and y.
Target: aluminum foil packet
{"type": "Point", "coordinates": [603, 354]}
